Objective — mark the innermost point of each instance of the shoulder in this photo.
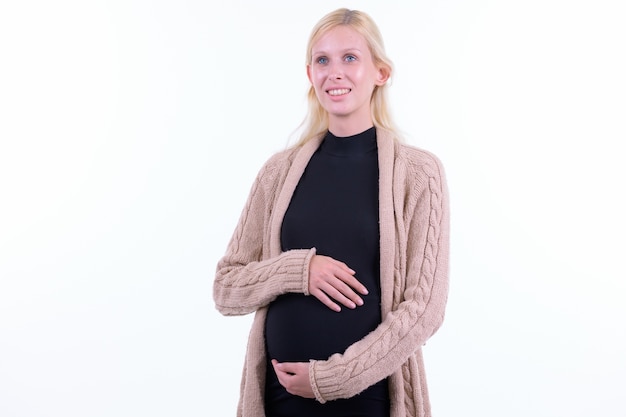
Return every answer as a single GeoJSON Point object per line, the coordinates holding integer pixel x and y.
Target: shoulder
{"type": "Point", "coordinates": [420, 178]}
{"type": "Point", "coordinates": [418, 161]}
{"type": "Point", "coordinates": [296, 156]}
{"type": "Point", "coordinates": [277, 165]}
{"type": "Point", "coordinates": [407, 159]}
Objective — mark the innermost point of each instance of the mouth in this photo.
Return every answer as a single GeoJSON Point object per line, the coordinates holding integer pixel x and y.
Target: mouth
{"type": "Point", "coordinates": [338, 91]}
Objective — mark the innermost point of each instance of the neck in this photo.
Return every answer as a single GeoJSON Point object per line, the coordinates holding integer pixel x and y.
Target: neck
{"type": "Point", "coordinates": [343, 128]}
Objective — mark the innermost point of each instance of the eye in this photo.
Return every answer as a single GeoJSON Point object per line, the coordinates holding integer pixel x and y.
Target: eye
{"type": "Point", "coordinates": [322, 60]}
{"type": "Point", "coordinates": [350, 58]}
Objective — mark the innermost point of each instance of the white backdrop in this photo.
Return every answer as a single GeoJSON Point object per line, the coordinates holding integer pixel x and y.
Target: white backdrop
{"type": "Point", "coordinates": [130, 134]}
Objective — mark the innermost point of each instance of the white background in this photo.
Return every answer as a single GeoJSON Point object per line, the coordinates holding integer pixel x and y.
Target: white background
{"type": "Point", "coordinates": [131, 132]}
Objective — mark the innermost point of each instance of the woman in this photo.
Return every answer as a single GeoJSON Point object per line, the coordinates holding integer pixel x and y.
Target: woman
{"type": "Point", "coordinates": [341, 249]}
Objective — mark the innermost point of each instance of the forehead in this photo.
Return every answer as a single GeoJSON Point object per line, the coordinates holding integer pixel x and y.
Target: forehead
{"type": "Point", "coordinates": [339, 38]}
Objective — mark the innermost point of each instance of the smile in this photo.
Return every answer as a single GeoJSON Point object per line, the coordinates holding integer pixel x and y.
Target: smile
{"type": "Point", "coordinates": [339, 91]}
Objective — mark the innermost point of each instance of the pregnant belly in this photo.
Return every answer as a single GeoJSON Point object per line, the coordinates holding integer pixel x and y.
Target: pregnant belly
{"type": "Point", "coordinates": [299, 328]}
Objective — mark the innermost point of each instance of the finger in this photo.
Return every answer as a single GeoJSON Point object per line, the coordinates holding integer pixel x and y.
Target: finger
{"type": "Point", "coordinates": [325, 299]}
{"type": "Point", "coordinates": [280, 372]}
{"type": "Point", "coordinates": [338, 291]}
{"type": "Point", "coordinates": [342, 294]}
{"type": "Point", "coordinates": [344, 275]}
{"type": "Point", "coordinates": [278, 368]}
{"type": "Point", "coordinates": [287, 376]}
{"type": "Point", "coordinates": [334, 280]}
{"type": "Point", "coordinates": [342, 291]}
{"type": "Point", "coordinates": [286, 367]}
{"type": "Point", "coordinates": [289, 369]}
{"type": "Point", "coordinates": [351, 281]}
{"type": "Point", "coordinates": [281, 376]}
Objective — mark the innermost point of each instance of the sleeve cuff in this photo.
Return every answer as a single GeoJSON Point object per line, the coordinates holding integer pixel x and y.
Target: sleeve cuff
{"type": "Point", "coordinates": [295, 271]}
{"type": "Point", "coordinates": [314, 387]}
{"type": "Point", "coordinates": [305, 271]}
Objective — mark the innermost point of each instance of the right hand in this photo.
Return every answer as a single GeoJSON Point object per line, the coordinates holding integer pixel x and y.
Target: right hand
{"type": "Point", "coordinates": [332, 282]}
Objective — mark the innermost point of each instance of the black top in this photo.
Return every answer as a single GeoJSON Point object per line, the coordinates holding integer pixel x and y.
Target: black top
{"type": "Point", "coordinates": [334, 209]}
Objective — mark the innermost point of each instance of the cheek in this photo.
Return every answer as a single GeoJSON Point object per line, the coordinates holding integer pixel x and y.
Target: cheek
{"type": "Point", "coordinates": [318, 78]}
{"type": "Point", "coordinates": [361, 74]}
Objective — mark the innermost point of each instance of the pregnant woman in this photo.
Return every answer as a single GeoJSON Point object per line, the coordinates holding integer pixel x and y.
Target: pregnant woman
{"type": "Point", "coordinates": [342, 248]}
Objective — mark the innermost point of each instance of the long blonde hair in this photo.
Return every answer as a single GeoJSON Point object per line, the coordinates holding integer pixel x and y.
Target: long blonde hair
{"type": "Point", "coordinates": [316, 120]}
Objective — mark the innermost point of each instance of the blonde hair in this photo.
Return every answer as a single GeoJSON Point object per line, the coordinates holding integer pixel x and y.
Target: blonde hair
{"type": "Point", "coordinates": [316, 120]}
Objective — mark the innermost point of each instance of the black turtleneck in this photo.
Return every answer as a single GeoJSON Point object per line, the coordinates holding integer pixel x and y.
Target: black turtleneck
{"type": "Point", "coordinates": [334, 209]}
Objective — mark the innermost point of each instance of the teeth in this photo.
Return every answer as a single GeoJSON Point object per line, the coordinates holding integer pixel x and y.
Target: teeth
{"type": "Point", "coordinates": [339, 91]}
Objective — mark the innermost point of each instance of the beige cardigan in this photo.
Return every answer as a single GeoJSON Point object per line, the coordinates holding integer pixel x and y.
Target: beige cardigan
{"type": "Point", "coordinates": [414, 230]}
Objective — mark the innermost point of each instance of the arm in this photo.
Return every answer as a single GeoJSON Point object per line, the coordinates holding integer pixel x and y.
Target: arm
{"type": "Point", "coordinates": [420, 308]}
{"type": "Point", "coordinates": [245, 280]}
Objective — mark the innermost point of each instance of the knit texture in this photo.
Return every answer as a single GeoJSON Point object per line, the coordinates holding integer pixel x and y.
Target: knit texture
{"type": "Point", "coordinates": [414, 241]}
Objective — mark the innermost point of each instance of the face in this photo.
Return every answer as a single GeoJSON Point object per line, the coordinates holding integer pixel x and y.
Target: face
{"type": "Point", "coordinates": [344, 75]}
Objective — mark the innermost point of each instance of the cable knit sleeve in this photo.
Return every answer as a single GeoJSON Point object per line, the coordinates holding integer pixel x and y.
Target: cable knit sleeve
{"type": "Point", "coordinates": [246, 278]}
{"type": "Point", "coordinates": [420, 284]}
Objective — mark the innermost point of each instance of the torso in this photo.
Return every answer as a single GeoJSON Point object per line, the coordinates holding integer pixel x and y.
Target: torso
{"type": "Point", "coordinates": [334, 209]}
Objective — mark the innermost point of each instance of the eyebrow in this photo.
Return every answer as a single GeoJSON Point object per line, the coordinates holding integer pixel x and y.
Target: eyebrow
{"type": "Point", "coordinates": [345, 51]}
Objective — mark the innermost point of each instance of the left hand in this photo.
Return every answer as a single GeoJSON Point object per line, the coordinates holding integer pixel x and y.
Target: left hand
{"type": "Point", "coordinates": [294, 376]}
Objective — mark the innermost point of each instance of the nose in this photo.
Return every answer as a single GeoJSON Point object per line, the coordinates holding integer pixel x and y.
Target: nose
{"type": "Point", "coordinates": [335, 72]}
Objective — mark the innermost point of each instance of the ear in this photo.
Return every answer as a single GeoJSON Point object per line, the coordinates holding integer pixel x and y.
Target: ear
{"type": "Point", "coordinates": [308, 73]}
{"type": "Point", "coordinates": [384, 73]}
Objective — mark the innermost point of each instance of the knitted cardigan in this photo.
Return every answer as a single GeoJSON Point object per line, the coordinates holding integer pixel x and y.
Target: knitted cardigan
{"type": "Point", "coordinates": [414, 242]}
